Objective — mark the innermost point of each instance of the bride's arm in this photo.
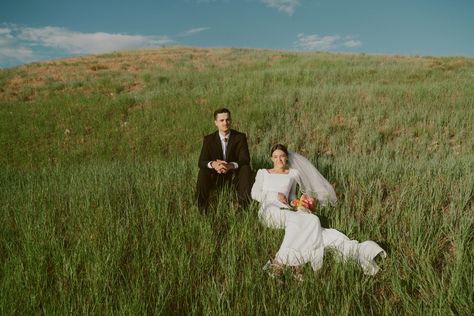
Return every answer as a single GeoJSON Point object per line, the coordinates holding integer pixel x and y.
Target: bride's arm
{"type": "Point", "coordinates": [257, 188]}
{"type": "Point", "coordinates": [292, 194]}
{"type": "Point", "coordinates": [297, 181]}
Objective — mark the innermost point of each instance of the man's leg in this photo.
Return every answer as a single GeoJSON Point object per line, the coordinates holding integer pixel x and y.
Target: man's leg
{"type": "Point", "coordinates": [205, 182]}
{"type": "Point", "coordinates": [244, 175]}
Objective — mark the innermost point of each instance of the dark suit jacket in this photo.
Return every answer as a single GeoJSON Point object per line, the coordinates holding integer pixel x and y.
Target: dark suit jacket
{"type": "Point", "coordinates": [237, 149]}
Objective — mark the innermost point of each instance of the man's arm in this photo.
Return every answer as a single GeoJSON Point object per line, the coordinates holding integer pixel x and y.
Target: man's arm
{"type": "Point", "coordinates": [243, 151]}
{"type": "Point", "coordinates": [205, 155]}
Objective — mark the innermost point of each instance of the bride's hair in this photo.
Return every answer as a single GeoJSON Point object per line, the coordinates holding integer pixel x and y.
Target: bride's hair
{"type": "Point", "coordinates": [280, 147]}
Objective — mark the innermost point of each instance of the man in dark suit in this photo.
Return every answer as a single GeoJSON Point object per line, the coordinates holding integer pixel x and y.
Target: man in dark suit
{"type": "Point", "coordinates": [224, 157]}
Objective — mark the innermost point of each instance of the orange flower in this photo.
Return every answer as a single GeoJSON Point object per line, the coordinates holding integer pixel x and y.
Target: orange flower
{"type": "Point", "coordinates": [305, 201]}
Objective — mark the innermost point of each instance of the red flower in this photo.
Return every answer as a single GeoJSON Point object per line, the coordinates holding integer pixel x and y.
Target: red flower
{"type": "Point", "coordinates": [305, 201]}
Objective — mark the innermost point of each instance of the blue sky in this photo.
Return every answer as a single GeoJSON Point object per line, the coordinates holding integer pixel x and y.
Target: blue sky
{"type": "Point", "coordinates": [32, 30]}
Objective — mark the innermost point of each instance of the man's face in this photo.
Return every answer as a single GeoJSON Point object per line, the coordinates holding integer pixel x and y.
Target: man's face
{"type": "Point", "coordinates": [222, 122]}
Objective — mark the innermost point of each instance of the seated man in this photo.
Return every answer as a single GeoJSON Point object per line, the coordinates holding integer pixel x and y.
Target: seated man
{"type": "Point", "coordinates": [224, 157]}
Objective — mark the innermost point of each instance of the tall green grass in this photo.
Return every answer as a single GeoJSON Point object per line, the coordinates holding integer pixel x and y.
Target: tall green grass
{"type": "Point", "coordinates": [97, 183]}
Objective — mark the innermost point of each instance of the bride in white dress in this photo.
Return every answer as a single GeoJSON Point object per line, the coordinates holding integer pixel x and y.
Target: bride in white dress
{"type": "Point", "coordinates": [305, 239]}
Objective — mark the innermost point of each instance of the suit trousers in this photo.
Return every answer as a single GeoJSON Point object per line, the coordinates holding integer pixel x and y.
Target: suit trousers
{"type": "Point", "coordinates": [209, 179]}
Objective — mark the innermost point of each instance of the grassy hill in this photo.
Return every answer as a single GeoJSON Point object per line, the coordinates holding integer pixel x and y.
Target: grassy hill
{"type": "Point", "coordinates": [99, 161]}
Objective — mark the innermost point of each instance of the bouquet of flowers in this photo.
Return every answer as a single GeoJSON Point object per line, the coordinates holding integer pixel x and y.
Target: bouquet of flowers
{"type": "Point", "coordinates": [305, 203]}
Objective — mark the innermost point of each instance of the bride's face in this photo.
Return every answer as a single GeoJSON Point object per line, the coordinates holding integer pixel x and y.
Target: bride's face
{"type": "Point", "coordinates": [279, 158]}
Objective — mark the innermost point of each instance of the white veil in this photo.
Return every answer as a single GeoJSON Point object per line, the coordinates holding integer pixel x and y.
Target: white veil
{"type": "Point", "coordinates": [312, 182]}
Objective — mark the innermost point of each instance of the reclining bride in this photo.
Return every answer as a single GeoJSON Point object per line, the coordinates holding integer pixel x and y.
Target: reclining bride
{"type": "Point", "coordinates": [305, 240]}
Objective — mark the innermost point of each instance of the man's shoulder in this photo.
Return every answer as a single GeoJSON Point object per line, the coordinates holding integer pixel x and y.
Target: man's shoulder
{"type": "Point", "coordinates": [237, 133]}
{"type": "Point", "coordinates": [210, 136]}
{"type": "Point", "coordinates": [234, 133]}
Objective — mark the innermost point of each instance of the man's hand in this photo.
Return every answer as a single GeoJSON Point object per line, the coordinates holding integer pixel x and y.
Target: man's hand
{"type": "Point", "coordinates": [227, 166]}
{"type": "Point", "coordinates": [222, 166]}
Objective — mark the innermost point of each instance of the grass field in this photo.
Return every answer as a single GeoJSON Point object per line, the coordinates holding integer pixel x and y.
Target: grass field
{"type": "Point", "coordinates": [99, 163]}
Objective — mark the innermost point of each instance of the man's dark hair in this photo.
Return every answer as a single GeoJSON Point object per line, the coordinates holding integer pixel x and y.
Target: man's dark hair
{"type": "Point", "coordinates": [219, 111]}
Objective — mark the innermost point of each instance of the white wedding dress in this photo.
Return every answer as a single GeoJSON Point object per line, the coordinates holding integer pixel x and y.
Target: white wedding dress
{"type": "Point", "coordinates": [305, 239]}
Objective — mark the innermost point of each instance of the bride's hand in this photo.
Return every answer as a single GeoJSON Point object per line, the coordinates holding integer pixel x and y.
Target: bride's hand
{"type": "Point", "coordinates": [282, 198]}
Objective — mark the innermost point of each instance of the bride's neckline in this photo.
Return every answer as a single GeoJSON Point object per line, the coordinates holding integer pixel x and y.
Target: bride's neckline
{"type": "Point", "coordinates": [287, 172]}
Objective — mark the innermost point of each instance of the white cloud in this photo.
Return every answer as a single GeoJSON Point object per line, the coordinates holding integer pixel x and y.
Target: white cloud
{"type": "Point", "coordinates": [20, 44]}
{"type": "Point", "coordinates": [87, 43]}
{"type": "Point", "coordinates": [194, 31]}
{"type": "Point", "coordinates": [5, 31]}
{"type": "Point", "coordinates": [327, 42]}
{"type": "Point", "coordinates": [316, 42]}
{"type": "Point", "coordinates": [287, 6]}
{"type": "Point", "coordinates": [11, 50]}
{"type": "Point", "coordinates": [352, 43]}
{"type": "Point", "coordinates": [20, 53]}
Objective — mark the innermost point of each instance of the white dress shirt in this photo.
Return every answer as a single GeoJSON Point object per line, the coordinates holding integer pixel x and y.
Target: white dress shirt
{"type": "Point", "coordinates": [224, 143]}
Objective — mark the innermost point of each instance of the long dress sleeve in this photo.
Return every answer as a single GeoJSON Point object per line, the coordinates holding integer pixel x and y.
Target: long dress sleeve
{"type": "Point", "coordinates": [297, 181]}
{"type": "Point", "coordinates": [257, 188]}
{"type": "Point", "coordinates": [292, 194]}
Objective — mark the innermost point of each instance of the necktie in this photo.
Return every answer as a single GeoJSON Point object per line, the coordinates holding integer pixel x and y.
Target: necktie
{"type": "Point", "coordinates": [225, 146]}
